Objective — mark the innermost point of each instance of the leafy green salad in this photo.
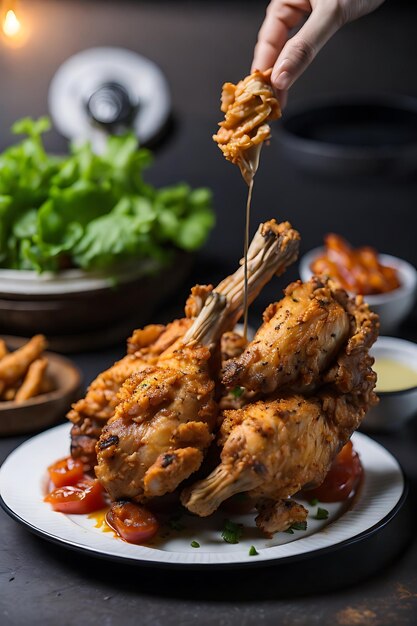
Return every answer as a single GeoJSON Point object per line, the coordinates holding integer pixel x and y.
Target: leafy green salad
{"type": "Point", "coordinates": [91, 211]}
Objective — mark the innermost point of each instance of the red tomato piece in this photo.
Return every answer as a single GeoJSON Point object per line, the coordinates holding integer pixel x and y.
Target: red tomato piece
{"type": "Point", "coordinates": [132, 522]}
{"type": "Point", "coordinates": [85, 496]}
{"type": "Point", "coordinates": [342, 479]}
{"type": "Point", "coordinates": [66, 471]}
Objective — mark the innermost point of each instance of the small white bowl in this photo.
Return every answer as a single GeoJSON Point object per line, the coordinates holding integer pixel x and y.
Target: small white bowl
{"type": "Point", "coordinates": [393, 306]}
{"type": "Point", "coordinates": [395, 408]}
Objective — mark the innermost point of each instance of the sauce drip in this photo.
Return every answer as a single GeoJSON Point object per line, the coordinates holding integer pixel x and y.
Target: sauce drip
{"type": "Point", "coordinates": [248, 166]}
{"type": "Point", "coordinates": [100, 520]}
{"type": "Point", "coordinates": [245, 256]}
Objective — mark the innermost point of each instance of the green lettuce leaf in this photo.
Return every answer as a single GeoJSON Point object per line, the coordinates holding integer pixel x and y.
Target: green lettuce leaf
{"type": "Point", "coordinates": [88, 210]}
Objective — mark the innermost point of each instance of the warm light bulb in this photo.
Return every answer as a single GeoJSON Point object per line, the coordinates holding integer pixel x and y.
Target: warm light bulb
{"type": "Point", "coordinates": [11, 25]}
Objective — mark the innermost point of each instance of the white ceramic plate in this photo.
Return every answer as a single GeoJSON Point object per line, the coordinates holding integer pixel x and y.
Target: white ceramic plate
{"type": "Point", "coordinates": [22, 481]}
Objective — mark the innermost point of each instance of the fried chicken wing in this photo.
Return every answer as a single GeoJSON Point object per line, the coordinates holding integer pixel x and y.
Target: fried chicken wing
{"type": "Point", "coordinates": [248, 107]}
{"type": "Point", "coordinates": [144, 347]}
{"type": "Point", "coordinates": [299, 338]}
{"type": "Point", "coordinates": [274, 447]}
{"type": "Point", "coordinates": [91, 413]}
{"type": "Point", "coordinates": [166, 414]}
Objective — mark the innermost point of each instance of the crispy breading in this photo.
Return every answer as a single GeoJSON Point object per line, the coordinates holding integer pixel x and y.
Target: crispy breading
{"type": "Point", "coordinates": [248, 107]}
{"type": "Point", "coordinates": [299, 338]}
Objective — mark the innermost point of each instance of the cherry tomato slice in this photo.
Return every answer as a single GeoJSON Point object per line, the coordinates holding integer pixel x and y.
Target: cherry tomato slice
{"type": "Point", "coordinates": [85, 496]}
{"type": "Point", "coordinates": [342, 479]}
{"type": "Point", "coordinates": [66, 471]}
{"type": "Point", "coordinates": [132, 522]}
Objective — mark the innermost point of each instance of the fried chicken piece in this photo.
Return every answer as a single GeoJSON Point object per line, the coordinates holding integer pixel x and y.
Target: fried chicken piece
{"type": "Point", "coordinates": [232, 345]}
{"type": "Point", "coordinates": [299, 338]}
{"type": "Point", "coordinates": [272, 448]}
{"type": "Point", "coordinates": [32, 382]}
{"type": "Point", "coordinates": [278, 516]}
{"type": "Point", "coordinates": [144, 347]}
{"type": "Point", "coordinates": [248, 107]}
{"type": "Point", "coordinates": [91, 413]}
{"type": "Point", "coordinates": [166, 415]}
{"type": "Point", "coordinates": [14, 366]}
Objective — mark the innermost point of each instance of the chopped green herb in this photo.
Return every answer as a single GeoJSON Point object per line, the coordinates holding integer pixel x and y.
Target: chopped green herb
{"type": "Point", "coordinates": [194, 544]}
{"type": "Point", "coordinates": [314, 502]}
{"type": "Point", "coordinates": [237, 391]}
{"type": "Point", "coordinates": [253, 551]}
{"type": "Point", "coordinates": [232, 532]}
{"type": "Point", "coordinates": [296, 526]}
{"type": "Point", "coordinates": [299, 526]}
{"type": "Point", "coordinates": [321, 514]}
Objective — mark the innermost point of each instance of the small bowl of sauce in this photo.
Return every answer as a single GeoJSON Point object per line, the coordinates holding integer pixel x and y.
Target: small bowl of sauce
{"type": "Point", "coordinates": [392, 305]}
{"type": "Point", "coordinates": [396, 367]}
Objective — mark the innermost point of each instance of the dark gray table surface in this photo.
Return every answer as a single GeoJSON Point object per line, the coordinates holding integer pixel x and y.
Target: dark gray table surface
{"type": "Point", "coordinates": [199, 45]}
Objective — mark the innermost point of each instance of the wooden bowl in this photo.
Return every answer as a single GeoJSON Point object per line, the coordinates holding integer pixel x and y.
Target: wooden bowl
{"type": "Point", "coordinates": [47, 408]}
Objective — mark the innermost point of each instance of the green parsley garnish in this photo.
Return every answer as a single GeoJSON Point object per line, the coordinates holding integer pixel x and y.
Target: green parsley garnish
{"type": "Point", "coordinates": [321, 514]}
{"type": "Point", "coordinates": [194, 544]}
{"type": "Point", "coordinates": [299, 526]}
{"type": "Point", "coordinates": [237, 391]}
{"type": "Point", "coordinates": [232, 532]}
{"type": "Point", "coordinates": [253, 551]}
{"type": "Point", "coordinates": [296, 526]}
{"type": "Point", "coordinates": [314, 502]}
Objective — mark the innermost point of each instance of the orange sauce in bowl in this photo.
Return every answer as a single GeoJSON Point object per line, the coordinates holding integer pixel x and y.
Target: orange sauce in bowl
{"type": "Point", "coordinates": [356, 270]}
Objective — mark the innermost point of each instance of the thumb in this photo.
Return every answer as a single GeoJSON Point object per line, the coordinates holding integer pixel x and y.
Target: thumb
{"type": "Point", "coordinates": [301, 49]}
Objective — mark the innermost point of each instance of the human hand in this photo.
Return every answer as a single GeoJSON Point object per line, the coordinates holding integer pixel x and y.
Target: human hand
{"type": "Point", "coordinates": [290, 57]}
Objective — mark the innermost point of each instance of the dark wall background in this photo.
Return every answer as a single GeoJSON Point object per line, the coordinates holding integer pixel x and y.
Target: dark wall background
{"type": "Point", "coordinates": [375, 54]}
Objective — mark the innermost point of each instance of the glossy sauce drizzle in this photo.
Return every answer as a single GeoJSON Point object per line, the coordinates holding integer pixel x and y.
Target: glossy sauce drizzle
{"type": "Point", "coordinates": [248, 166]}
{"type": "Point", "coordinates": [245, 256]}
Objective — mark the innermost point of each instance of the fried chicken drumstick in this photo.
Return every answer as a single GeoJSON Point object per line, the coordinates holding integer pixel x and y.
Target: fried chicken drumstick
{"type": "Point", "coordinates": [91, 413]}
{"type": "Point", "coordinates": [299, 338]}
{"type": "Point", "coordinates": [165, 418]}
{"type": "Point", "coordinates": [274, 447]}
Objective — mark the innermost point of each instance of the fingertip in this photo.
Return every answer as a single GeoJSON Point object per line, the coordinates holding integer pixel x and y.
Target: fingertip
{"type": "Point", "coordinates": [282, 99]}
{"type": "Point", "coordinates": [282, 81]}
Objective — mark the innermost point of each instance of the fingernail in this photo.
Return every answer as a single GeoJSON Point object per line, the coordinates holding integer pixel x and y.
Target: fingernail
{"type": "Point", "coordinates": [283, 81]}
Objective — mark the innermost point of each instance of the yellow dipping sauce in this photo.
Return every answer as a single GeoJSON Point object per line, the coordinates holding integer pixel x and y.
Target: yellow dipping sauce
{"type": "Point", "coordinates": [394, 375]}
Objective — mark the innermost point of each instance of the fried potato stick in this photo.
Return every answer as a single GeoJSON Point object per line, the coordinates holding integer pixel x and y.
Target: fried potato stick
{"type": "Point", "coordinates": [3, 349]}
{"type": "Point", "coordinates": [33, 380]}
{"type": "Point", "coordinates": [14, 365]}
{"type": "Point", "coordinates": [9, 394]}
